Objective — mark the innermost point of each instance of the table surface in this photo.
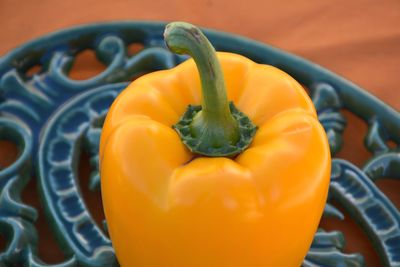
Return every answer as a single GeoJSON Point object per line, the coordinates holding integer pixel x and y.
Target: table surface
{"type": "Point", "coordinates": [357, 39]}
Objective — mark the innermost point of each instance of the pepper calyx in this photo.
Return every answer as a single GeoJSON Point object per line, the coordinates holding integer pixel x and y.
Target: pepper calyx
{"type": "Point", "coordinates": [246, 127]}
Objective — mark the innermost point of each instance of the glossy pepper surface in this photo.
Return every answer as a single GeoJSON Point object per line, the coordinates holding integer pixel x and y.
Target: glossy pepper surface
{"type": "Point", "coordinates": [168, 205]}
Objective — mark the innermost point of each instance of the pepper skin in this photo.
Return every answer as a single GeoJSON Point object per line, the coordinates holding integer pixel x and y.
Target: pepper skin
{"type": "Point", "coordinates": [167, 207]}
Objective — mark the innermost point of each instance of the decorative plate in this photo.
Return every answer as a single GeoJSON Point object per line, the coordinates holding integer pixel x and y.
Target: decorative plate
{"type": "Point", "coordinates": [53, 120]}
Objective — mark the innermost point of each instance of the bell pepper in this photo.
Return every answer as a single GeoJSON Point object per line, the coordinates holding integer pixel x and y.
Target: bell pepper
{"type": "Point", "coordinates": [190, 179]}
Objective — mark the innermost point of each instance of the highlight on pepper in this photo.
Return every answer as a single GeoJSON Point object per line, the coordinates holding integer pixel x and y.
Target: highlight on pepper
{"type": "Point", "coordinates": [219, 161]}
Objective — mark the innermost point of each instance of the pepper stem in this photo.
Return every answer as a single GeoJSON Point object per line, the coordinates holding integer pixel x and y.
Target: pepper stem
{"type": "Point", "coordinates": [211, 129]}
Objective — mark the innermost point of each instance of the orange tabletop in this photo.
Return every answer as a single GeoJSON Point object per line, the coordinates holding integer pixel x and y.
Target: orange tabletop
{"type": "Point", "coordinates": [357, 39]}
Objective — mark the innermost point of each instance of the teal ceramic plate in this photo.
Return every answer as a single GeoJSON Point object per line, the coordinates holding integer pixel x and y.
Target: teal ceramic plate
{"type": "Point", "coordinates": [53, 120]}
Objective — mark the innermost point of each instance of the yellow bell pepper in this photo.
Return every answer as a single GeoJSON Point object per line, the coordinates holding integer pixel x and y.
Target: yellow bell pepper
{"type": "Point", "coordinates": [218, 184]}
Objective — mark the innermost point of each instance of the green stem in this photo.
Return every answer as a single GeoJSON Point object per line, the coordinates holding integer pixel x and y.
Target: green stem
{"type": "Point", "coordinates": [214, 126]}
